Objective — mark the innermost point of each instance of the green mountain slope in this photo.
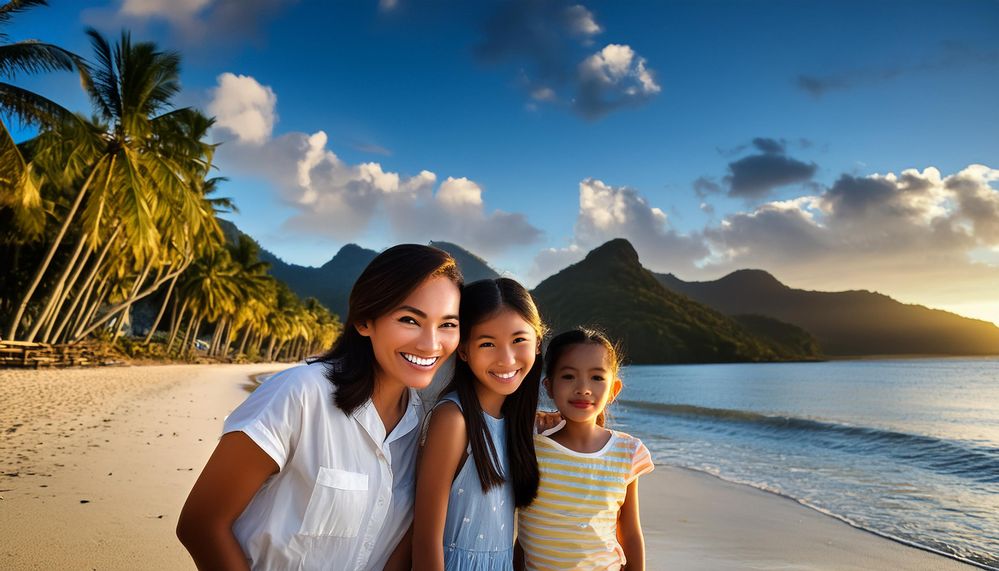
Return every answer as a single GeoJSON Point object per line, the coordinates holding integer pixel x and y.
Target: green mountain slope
{"type": "Point", "coordinates": [848, 322]}
{"type": "Point", "coordinates": [472, 267]}
{"type": "Point", "coordinates": [610, 289]}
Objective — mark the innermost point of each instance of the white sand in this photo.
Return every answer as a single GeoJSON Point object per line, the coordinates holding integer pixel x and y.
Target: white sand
{"type": "Point", "coordinates": [131, 441]}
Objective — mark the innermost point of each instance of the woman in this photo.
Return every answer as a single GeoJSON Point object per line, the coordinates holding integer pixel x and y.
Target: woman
{"type": "Point", "coordinates": [315, 470]}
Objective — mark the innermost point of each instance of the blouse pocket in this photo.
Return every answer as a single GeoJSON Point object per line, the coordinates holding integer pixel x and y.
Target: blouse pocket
{"type": "Point", "coordinates": [337, 504]}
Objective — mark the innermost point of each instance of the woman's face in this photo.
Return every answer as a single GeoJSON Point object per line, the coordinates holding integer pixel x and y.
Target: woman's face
{"type": "Point", "coordinates": [412, 340]}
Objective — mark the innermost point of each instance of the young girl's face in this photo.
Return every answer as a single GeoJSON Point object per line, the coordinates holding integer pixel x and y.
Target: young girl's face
{"type": "Point", "coordinates": [584, 381]}
{"type": "Point", "coordinates": [501, 351]}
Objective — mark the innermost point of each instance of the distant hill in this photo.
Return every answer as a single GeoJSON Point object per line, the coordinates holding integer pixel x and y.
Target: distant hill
{"type": "Point", "coordinates": [473, 268]}
{"type": "Point", "coordinates": [845, 323]}
{"type": "Point", "coordinates": [331, 282]}
{"type": "Point", "coordinates": [611, 289]}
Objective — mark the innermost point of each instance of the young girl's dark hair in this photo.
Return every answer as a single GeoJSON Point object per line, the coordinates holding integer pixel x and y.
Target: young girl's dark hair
{"type": "Point", "coordinates": [480, 301]}
{"type": "Point", "coordinates": [581, 336]}
{"type": "Point", "coordinates": [382, 286]}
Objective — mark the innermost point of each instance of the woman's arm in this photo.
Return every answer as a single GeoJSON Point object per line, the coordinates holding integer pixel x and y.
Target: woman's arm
{"type": "Point", "coordinates": [402, 557]}
{"type": "Point", "coordinates": [629, 530]}
{"type": "Point", "coordinates": [439, 460]}
{"type": "Point", "coordinates": [234, 473]}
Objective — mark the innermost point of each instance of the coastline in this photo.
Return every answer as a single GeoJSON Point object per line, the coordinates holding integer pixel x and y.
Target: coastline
{"type": "Point", "coordinates": [97, 463]}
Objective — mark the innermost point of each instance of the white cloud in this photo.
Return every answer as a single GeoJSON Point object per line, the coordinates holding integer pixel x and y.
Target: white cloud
{"type": "Point", "coordinates": [607, 212]}
{"type": "Point", "coordinates": [339, 200]}
{"type": "Point", "coordinates": [616, 63]}
{"type": "Point", "coordinates": [613, 78]}
{"type": "Point", "coordinates": [543, 94]}
{"type": "Point", "coordinates": [244, 107]}
{"type": "Point", "coordinates": [173, 10]}
{"type": "Point", "coordinates": [581, 21]}
{"type": "Point", "coordinates": [911, 235]}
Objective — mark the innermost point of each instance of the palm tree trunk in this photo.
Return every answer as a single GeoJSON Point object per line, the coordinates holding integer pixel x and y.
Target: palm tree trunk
{"type": "Point", "coordinates": [12, 329]}
{"type": "Point", "coordinates": [246, 337]}
{"type": "Point", "coordinates": [128, 302]}
{"type": "Point", "coordinates": [163, 307]}
{"type": "Point", "coordinates": [54, 318]}
{"type": "Point", "coordinates": [98, 300]}
{"type": "Point", "coordinates": [175, 326]}
{"type": "Point", "coordinates": [57, 291]}
{"type": "Point", "coordinates": [124, 313]}
{"type": "Point", "coordinates": [194, 342]}
{"type": "Point", "coordinates": [88, 284]}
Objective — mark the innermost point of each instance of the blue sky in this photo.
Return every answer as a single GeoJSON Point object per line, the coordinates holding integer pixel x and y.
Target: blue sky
{"type": "Point", "coordinates": [713, 135]}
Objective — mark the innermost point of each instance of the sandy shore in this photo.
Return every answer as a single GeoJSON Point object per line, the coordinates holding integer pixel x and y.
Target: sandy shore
{"type": "Point", "coordinates": [96, 464]}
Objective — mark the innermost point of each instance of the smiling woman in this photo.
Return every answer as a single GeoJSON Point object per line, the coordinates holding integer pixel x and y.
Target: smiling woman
{"type": "Point", "coordinates": [318, 465]}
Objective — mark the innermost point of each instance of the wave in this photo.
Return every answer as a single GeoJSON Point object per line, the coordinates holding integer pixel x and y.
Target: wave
{"type": "Point", "coordinates": [976, 463]}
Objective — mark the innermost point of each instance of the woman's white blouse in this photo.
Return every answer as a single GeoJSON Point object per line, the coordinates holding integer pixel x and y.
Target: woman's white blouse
{"type": "Point", "coordinates": [343, 497]}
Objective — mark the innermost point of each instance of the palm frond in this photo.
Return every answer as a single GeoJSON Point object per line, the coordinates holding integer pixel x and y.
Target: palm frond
{"type": "Point", "coordinates": [31, 108]}
{"type": "Point", "coordinates": [103, 83]}
{"type": "Point", "coordinates": [14, 6]}
{"type": "Point", "coordinates": [31, 56]}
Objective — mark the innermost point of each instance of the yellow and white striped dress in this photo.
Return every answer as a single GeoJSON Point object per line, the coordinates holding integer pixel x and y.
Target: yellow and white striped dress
{"type": "Point", "coordinates": [573, 522]}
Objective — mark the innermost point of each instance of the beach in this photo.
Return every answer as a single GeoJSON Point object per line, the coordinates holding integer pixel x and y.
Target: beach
{"type": "Point", "coordinates": [96, 464]}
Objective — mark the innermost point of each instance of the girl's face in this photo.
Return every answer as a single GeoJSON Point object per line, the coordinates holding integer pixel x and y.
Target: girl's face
{"type": "Point", "coordinates": [501, 351]}
{"type": "Point", "coordinates": [411, 341]}
{"type": "Point", "coordinates": [584, 382]}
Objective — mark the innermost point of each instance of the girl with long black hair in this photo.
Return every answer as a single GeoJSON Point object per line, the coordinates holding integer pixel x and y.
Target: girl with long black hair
{"type": "Point", "coordinates": [478, 463]}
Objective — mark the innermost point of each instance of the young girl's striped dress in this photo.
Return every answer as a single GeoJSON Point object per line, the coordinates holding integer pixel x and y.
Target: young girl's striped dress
{"type": "Point", "coordinates": [573, 522]}
{"type": "Point", "coordinates": [478, 530]}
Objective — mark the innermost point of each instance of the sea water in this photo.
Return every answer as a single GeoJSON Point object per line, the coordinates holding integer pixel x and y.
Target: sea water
{"type": "Point", "coordinates": [905, 448]}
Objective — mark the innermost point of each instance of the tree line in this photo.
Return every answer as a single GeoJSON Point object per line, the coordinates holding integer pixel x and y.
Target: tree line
{"type": "Point", "coordinates": [101, 212]}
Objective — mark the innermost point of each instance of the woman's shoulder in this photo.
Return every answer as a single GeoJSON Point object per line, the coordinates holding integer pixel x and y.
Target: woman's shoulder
{"type": "Point", "coordinates": [301, 381]}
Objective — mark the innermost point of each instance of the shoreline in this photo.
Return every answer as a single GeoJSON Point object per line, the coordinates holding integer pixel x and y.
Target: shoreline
{"type": "Point", "coordinates": [102, 459]}
{"type": "Point", "coordinates": [834, 516]}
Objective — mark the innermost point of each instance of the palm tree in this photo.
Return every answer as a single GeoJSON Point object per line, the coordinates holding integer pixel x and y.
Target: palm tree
{"type": "Point", "coordinates": [21, 213]}
{"type": "Point", "coordinates": [30, 56]}
{"type": "Point", "coordinates": [145, 156]}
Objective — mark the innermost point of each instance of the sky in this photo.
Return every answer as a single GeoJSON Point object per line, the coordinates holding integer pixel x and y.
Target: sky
{"type": "Point", "coordinates": [838, 145]}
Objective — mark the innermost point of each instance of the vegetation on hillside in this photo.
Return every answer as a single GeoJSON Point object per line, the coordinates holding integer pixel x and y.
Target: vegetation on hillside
{"type": "Point", "coordinates": [610, 289]}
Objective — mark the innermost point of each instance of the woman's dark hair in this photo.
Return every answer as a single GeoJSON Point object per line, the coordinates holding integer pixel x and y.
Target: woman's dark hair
{"type": "Point", "coordinates": [581, 336]}
{"type": "Point", "coordinates": [383, 285]}
{"type": "Point", "coordinates": [480, 301]}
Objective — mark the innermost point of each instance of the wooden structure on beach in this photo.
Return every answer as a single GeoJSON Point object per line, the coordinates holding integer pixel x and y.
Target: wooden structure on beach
{"type": "Point", "coordinates": [37, 355]}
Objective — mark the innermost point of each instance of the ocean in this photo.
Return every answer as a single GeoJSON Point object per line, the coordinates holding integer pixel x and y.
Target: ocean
{"type": "Point", "coordinates": [908, 449]}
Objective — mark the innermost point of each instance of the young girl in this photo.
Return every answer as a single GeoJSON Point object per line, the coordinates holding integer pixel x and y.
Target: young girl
{"type": "Point", "coordinates": [315, 470]}
{"type": "Point", "coordinates": [586, 512]}
{"type": "Point", "coordinates": [478, 462]}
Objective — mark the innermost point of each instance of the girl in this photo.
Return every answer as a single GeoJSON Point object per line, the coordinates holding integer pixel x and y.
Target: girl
{"type": "Point", "coordinates": [315, 470]}
{"type": "Point", "coordinates": [586, 512]}
{"type": "Point", "coordinates": [478, 462]}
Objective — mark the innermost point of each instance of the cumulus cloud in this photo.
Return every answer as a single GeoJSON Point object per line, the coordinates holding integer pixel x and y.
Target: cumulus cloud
{"type": "Point", "coordinates": [612, 78]}
{"type": "Point", "coordinates": [607, 212]}
{"type": "Point", "coordinates": [243, 107]}
{"type": "Point", "coordinates": [898, 233]}
{"type": "Point", "coordinates": [336, 199]}
{"type": "Point", "coordinates": [550, 41]}
{"type": "Point", "coordinates": [757, 175]}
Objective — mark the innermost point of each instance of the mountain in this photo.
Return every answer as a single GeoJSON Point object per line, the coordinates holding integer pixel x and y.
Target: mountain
{"type": "Point", "coordinates": [610, 289]}
{"type": "Point", "coordinates": [848, 322]}
{"type": "Point", "coordinates": [473, 268]}
{"type": "Point", "coordinates": [331, 282]}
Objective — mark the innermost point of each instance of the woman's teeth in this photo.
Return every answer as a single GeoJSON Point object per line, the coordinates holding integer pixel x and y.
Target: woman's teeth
{"type": "Point", "coordinates": [421, 361]}
{"type": "Point", "coordinates": [509, 375]}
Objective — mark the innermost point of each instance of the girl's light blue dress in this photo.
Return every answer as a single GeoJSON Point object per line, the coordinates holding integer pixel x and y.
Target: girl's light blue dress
{"type": "Point", "coordinates": [478, 531]}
